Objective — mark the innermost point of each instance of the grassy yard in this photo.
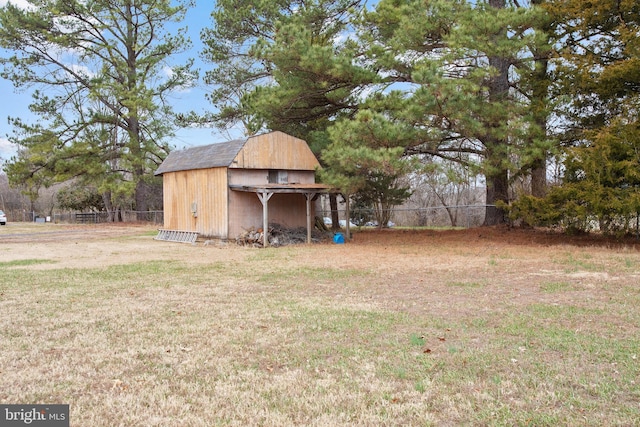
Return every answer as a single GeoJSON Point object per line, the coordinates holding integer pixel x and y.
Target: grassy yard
{"type": "Point", "coordinates": [429, 330]}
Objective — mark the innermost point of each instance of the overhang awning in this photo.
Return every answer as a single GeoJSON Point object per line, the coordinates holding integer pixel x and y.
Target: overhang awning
{"type": "Point", "coordinates": [265, 191]}
{"type": "Point", "coordinates": [282, 188]}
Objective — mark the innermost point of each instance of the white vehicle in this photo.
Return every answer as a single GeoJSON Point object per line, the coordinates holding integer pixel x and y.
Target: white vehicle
{"type": "Point", "coordinates": [342, 222]}
{"type": "Point", "coordinates": [3, 218]}
{"type": "Point", "coordinates": [375, 224]}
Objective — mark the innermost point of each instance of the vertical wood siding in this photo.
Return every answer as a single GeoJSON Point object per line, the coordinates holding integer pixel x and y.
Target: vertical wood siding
{"type": "Point", "coordinates": [275, 150]}
{"type": "Point", "coordinates": [224, 213]}
{"type": "Point", "coordinates": [208, 189]}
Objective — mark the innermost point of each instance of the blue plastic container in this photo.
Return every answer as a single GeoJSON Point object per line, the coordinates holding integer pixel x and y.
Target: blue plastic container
{"type": "Point", "coordinates": [338, 238]}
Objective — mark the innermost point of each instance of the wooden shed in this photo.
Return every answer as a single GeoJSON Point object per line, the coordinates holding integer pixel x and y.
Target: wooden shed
{"type": "Point", "coordinates": [222, 190]}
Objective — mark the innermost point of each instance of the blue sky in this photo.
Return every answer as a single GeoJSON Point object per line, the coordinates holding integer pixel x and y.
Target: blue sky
{"type": "Point", "coordinates": [15, 104]}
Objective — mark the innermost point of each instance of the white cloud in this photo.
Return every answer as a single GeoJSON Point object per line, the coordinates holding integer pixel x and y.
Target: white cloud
{"type": "Point", "coordinates": [82, 70]}
{"type": "Point", "coordinates": [7, 149]}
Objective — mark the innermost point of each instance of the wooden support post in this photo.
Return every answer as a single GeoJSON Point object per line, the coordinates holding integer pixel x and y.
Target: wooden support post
{"type": "Point", "coordinates": [309, 197]}
{"type": "Point", "coordinates": [264, 198]}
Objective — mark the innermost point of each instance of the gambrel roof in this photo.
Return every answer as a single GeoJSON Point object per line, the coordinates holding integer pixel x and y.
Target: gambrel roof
{"type": "Point", "coordinates": [273, 150]}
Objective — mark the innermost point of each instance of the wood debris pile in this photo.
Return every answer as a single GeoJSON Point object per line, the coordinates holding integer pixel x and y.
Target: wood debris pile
{"type": "Point", "coordinates": [279, 236]}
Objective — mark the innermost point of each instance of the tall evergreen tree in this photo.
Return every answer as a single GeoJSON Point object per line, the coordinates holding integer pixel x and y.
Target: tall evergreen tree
{"type": "Point", "coordinates": [449, 69]}
{"type": "Point", "coordinates": [536, 85]}
{"type": "Point", "coordinates": [285, 65]}
{"type": "Point", "coordinates": [99, 72]}
{"type": "Point", "coordinates": [599, 71]}
{"type": "Point", "coordinates": [438, 75]}
{"type": "Point", "coordinates": [598, 75]}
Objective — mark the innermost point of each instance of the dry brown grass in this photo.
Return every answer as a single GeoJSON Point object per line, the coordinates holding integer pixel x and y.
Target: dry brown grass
{"type": "Point", "coordinates": [475, 327]}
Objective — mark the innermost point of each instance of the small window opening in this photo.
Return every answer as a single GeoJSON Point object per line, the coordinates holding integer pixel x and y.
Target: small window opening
{"type": "Point", "coordinates": [278, 177]}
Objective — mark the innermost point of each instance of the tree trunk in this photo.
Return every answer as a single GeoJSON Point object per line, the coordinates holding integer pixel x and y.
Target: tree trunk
{"type": "Point", "coordinates": [333, 204]}
{"type": "Point", "coordinates": [497, 190]}
{"type": "Point", "coordinates": [539, 106]}
{"type": "Point", "coordinates": [141, 191]}
{"type": "Point", "coordinates": [539, 178]}
{"type": "Point", "coordinates": [106, 199]}
{"type": "Point", "coordinates": [496, 144]}
{"type": "Point", "coordinates": [141, 200]}
{"type": "Point", "coordinates": [452, 217]}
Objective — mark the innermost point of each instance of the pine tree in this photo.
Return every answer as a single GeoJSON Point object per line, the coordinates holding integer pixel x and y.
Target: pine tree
{"type": "Point", "coordinates": [285, 65]}
{"type": "Point", "coordinates": [450, 68]}
{"type": "Point", "coordinates": [98, 70]}
{"type": "Point", "coordinates": [600, 79]}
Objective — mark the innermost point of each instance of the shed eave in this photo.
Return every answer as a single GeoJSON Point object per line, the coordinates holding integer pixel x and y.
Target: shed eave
{"type": "Point", "coordinates": [283, 188]}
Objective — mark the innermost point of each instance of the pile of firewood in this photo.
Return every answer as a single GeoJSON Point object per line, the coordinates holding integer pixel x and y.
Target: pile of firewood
{"type": "Point", "coordinates": [251, 238]}
{"type": "Point", "coordinates": [279, 236]}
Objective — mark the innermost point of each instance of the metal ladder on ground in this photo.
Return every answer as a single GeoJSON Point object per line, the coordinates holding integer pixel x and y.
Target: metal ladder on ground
{"type": "Point", "coordinates": [177, 236]}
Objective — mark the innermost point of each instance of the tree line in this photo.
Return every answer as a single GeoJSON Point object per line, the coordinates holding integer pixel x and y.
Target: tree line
{"type": "Point", "coordinates": [384, 92]}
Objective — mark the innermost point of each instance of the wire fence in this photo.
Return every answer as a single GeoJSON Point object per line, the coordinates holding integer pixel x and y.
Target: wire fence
{"type": "Point", "coordinates": [466, 216]}
{"type": "Point", "coordinates": [437, 216]}
{"type": "Point", "coordinates": [155, 217]}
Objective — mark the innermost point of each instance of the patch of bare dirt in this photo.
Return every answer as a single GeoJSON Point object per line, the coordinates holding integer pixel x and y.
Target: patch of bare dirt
{"type": "Point", "coordinates": [73, 246]}
{"type": "Point", "coordinates": [36, 233]}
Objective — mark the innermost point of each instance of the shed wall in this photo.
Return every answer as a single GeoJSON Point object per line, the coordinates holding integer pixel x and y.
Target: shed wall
{"type": "Point", "coordinates": [208, 190]}
{"type": "Point", "coordinates": [261, 176]}
{"type": "Point", "coordinates": [289, 210]}
{"type": "Point", "coordinates": [245, 211]}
